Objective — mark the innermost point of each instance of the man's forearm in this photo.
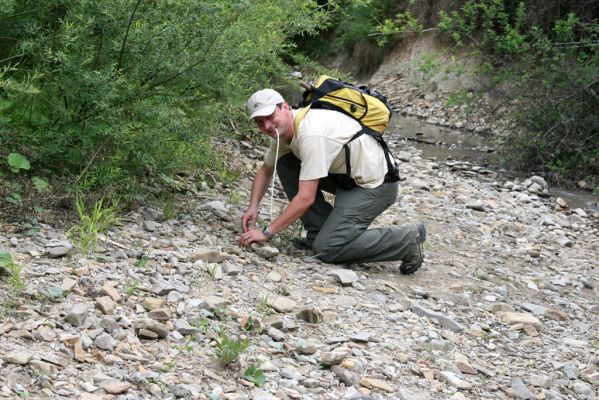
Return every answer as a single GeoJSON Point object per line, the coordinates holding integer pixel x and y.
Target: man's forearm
{"type": "Point", "coordinates": [296, 208]}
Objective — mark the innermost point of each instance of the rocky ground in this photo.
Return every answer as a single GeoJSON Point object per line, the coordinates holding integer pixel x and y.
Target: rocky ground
{"type": "Point", "coordinates": [505, 306]}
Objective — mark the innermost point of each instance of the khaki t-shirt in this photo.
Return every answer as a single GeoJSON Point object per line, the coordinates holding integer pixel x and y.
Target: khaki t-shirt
{"type": "Point", "coordinates": [319, 145]}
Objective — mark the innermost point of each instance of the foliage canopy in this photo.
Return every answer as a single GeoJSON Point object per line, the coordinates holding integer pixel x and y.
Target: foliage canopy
{"type": "Point", "coordinates": [109, 92]}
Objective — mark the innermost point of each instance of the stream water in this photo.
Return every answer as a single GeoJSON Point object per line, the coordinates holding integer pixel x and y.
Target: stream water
{"type": "Point", "coordinates": [440, 143]}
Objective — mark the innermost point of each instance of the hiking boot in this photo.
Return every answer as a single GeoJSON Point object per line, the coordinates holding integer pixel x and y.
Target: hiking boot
{"type": "Point", "coordinates": [412, 264]}
{"type": "Point", "coordinates": [301, 243]}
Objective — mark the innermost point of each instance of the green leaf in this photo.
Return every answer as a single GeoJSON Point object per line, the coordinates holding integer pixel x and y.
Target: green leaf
{"type": "Point", "coordinates": [254, 375]}
{"type": "Point", "coordinates": [5, 259]}
{"type": "Point", "coordinates": [17, 162]}
{"type": "Point", "coordinates": [41, 184]}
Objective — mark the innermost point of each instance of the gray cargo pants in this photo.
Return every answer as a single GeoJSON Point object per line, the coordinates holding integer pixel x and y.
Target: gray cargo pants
{"type": "Point", "coordinates": [339, 234]}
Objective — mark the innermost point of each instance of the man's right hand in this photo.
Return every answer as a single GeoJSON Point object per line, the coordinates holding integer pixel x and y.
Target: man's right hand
{"type": "Point", "coordinates": [248, 220]}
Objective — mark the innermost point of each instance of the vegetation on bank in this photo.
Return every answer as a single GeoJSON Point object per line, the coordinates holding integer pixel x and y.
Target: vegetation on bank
{"type": "Point", "coordinates": [103, 96]}
{"type": "Point", "coordinates": [540, 58]}
{"type": "Point", "coordinates": [106, 97]}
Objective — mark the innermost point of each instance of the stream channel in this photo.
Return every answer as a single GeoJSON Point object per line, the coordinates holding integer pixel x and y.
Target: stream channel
{"type": "Point", "coordinates": [444, 144]}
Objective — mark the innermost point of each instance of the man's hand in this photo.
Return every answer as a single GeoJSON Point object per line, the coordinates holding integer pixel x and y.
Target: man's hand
{"type": "Point", "coordinates": [251, 236]}
{"type": "Point", "coordinates": [248, 220]}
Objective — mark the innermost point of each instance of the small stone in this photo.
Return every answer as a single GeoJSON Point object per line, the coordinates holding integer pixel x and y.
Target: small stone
{"type": "Point", "coordinates": [345, 376]}
{"type": "Point", "coordinates": [68, 284]}
{"type": "Point", "coordinates": [160, 314]}
{"type": "Point", "coordinates": [43, 367]}
{"type": "Point", "coordinates": [305, 347]}
{"type": "Point", "coordinates": [375, 384]}
{"type": "Point", "coordinates": [333, 358]}
{"type": "Point", "coordinates": [476, 205]}
{"type": "Point", "coordinates": [455, 381]}
{"type": "Point", "coordinates": [152, 303]}
{"type": "Point", "coordinates": [530, 330]}
{"type": "Point", "coordinates": [311, 315]}
{"type": "Point", "coordinates": [77, 315]}
{"type": "Point", "coordinates": [106, 305]}
{"type": "Point", "coordinates": [281, 304]}
{"type": "Point", "coordinates": [561, 202]}
{"type": "Point", "coordinates": [511, 318]}
{"type": "Point", "coordinates": [114, 386]}
{"type": "Point", "coordinates": [445, 321]}
{"type": "Point", "coordinates": [105, 342]}
{"type": "Point", "coordinates": [264, 251]}
{"type": "Point", "coordinates": [463, 364]}
{"type": "Point", "coordinates": [151, 226]}
{"type": "Point", "coordinates": [345, 276]}
{"type": "Point", "coordinates": [109, 290]}
{"type": "Point", "coordinates": [17, 357]}
{"type": "Point", "coordinates": [539, 380]}
{"type": "Point", "coordinates": [520, 389]}
{"type": "Point", "coordinates": [56, 248]}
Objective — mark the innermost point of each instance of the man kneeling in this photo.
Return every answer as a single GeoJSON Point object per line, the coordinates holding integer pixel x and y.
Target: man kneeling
{"type": "Point", "coordinates": [313, 159]}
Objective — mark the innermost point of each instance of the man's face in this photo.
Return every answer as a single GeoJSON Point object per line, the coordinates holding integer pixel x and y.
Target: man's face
{"type": "Point", "coordinates": [273, 122]}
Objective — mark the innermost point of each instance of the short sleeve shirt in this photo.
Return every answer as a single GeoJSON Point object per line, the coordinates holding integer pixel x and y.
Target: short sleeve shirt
{"type": "Point", "coordinates": [318, 144]}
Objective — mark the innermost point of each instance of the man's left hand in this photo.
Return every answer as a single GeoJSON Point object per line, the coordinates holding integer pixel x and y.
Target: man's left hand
{"type": "Point", "coordinates": [251, 236]}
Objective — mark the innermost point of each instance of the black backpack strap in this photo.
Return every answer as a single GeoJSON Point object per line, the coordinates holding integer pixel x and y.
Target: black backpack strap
{"type": "Point", "coordinates": [392, 170]}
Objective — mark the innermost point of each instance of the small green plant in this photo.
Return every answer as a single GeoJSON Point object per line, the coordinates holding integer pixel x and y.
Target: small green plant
{"type": "Point", "coordinates": [228, 350]}
{"type": "Point", "coordinates": [254, 375]}
{"type": "Point", "coordinates": [263, 307]}
{"type": "Point", "coordinates": [131, 287]}
{"type": "Point", "coordinates": [221, 313]}
{"type": "Point", "coordinates": [99, 220]}
{"type": "Point", "coordinates": [141, 262]}
{"type": "Point", "coordinates": [213, 270]}
{"type": "Point", "coordinates": [14, 269]}
{"type": "Point", "coordinates": [201, 324]}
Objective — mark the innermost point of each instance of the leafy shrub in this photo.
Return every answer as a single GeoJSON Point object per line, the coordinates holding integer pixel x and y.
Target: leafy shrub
{"type": "Point", "coordinates": [548, 69]}
{"type": "Point", "coordinates": [113, 92]}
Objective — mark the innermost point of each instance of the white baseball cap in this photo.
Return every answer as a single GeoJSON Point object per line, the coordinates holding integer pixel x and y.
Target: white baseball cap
{"type": "Point", "coordinates": [263, 102]}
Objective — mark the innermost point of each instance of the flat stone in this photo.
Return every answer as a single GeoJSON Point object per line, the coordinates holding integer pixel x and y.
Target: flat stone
{"type": "Point", "coordinates": [281, 304]}
{"type": "Point", "coordinates": [264, 251]}
{"type": "Point", "coordinates": [68, 284]}
{"type": "Point", "coordinates": [44, 333]}
{"type": "Point", "coordinates": [160, 314]}
{"type": "Point", "coordinates": [445, 321]}
{"type": "Point", "coordinates": [311, 315]}
{"type": "Point", "coordinates": [345, 276]}
{"type": "Point", "coordinates": [57, 248]}
{"type": "Point", "coordinates": [114, 386]}
{"type": "Point", "coordinates": [535, 308]}
{"type": "Point", "coordinates": [211, 303]}
{"type": "Point", "coordinates": [511, 318]}
{"type": "Point", "coordinates": [109, 290]}
{"type": "Point", "coordinates": [463, 364]}
{"type": "Point", "coordinates": [17, 357]}
{"type": "Point", "coordinates": [106, 305]}
{"type": "Point", "coordinates": [345, 376]}
{"type": "Point", "coordinates": [184, 328]}
{"type": "Point", "coordinates": [105, 342]}
{"type": "Point", "coordinates": [371, 383]}
{"type": "Point", "coordinates": [43, 367]}
{"type": "Point", "coordinates": [520, 389]}
{"type": "Point", "coordinates": [152, 303]}
{"type": "Point", "coordinates": [305, 347]}
{"type": "Point", "coordinates": [151, 325]}
{"type": "Point", "coordinates": [455, 381]}
{"type": "Point", "coordinates": [333, 358]}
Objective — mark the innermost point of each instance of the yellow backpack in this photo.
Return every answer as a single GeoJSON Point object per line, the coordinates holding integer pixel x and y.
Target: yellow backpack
{"type": "Point", "coordinates": [367, 106]}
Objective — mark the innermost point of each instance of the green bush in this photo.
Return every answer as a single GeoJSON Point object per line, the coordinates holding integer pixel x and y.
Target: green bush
{"type": "Point", "coordinates": [108, 93]}
{"type": "Point", "coordinates": [548, 69]}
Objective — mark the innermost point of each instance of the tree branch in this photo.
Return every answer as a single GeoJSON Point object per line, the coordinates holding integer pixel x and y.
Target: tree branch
{"type": "Point", "coordinates": [118, 65]}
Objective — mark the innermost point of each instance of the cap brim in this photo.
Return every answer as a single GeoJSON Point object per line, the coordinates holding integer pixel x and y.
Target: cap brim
{"type": "Point", "coordinates": [264, 111]}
